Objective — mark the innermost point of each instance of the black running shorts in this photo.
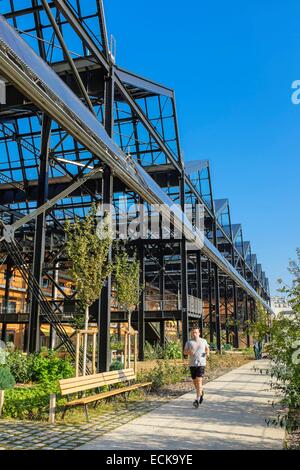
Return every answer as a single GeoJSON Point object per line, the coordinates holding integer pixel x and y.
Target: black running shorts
{"type": "Point", "coordinates": [197, 372]}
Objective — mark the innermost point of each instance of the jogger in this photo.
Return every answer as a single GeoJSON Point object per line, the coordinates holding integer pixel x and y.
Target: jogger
{"type": "Point", "coordinates": [198, 351]}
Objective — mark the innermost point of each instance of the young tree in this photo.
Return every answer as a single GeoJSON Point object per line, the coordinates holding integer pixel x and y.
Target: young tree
{"type": "Point", "coordinates": [88, 245]}
{"type": "Point", "coordinates": [293, 292]}
{"type": "Point", "coordinates": [261, 327]}
{"type": "Point", "coordinates": [284, 352]}
{"type": "Point", "coordinates": [127, 286]}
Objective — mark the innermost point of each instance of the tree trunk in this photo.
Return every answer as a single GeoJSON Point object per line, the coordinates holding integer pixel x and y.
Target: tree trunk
{"type": "Point", "coordinates": [85, 339]}
{"type": "Point", "coordinates": [129, 339]}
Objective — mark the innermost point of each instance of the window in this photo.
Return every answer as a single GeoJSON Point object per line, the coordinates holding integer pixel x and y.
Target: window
{"type": "Point", "coordinates": [12, 307]}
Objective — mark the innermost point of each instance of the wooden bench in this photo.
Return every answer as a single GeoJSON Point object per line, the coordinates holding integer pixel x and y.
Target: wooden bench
{"type": "Point", "coordinates": [77, 385]}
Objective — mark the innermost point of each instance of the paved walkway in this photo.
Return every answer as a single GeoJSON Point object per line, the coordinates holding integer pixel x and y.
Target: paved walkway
{"type": "Point", "coordinates": [24, 435]}
{"type": "Point", "coordinates": [231, 417]}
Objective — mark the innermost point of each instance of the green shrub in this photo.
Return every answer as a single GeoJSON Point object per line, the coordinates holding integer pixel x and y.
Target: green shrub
{"type": "Point", "coordinates": [153, 352]}
{"type": "Point", "coordinates": [283, 350]}
{"type": "Point", "coordinates": [117, 346]}
{"type": "Point", "coordinates": [7, 380]}
{"type": "Point", "coordinates": [164, 373]}
{"type": "Point", "coordinates": [227, 347]}
{"type": "Point", "coordinates": [116, 365]}
{"type": "Point", "coordinates": [173, 350]}
{"type": "Point", "coordinates": [20, 366]}
{"type": "Point", "coordinates": [30, 402]}
{"type": "Point", "coordinates": [116, 343]}
{"type": "Point", "coordinates": [43, 367]}
{"type": "Point", "coordinates": [49, 368]}
{"type": "Point", "coordinates": [284, 369]}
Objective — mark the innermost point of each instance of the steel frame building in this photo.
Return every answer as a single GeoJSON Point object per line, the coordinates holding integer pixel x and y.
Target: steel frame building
{"type": "Point", "coordinates": [76, 129]}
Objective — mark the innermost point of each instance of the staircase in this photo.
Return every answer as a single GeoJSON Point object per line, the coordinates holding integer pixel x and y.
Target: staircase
{"type": "Point", "coordinates": [46, 308]}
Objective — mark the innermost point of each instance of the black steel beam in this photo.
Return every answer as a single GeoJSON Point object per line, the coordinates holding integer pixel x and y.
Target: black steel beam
{"type": "Point", "coordinates": [217, 308]}
{"type": "Point", "coordinates": [247, 319]}
{"type": "Point", "coordinates": [147, 124]}
{"type": "Point", "coordinates": [82, 33]}
{"type": "Point", "coordinates": [143, 83]}
{"type": "Point", "coordinates": [141, 310]}
{"type": "Point", "coordinates": [162, 333]}
{"type": "Point", "coordinates": [226, 309]}
{"type": "Point", "coordinates": [67, 54]}
{"type": "Point", "coordinates": [199, 285]}
{"type": "Point", "coordinates": [184, 276]}
{"type": "Point", "coordinates": [107, 181]}
{"type": "Point", "coordinates": [102, 22]}
{"type": "Point", "coordinates": [235, 317]}
{"type": "Point", "coordinates": [210, 303]}
{"type": "Point", "coordinates": [39, 242]}
{"type": "Point", "coordinates": [8, 276]}
{"type": "Point", "coordinates": [78, 27]}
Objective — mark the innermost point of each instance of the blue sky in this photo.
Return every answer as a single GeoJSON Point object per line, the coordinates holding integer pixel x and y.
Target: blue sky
{"type": "Point", "coordinates": [232, 65]}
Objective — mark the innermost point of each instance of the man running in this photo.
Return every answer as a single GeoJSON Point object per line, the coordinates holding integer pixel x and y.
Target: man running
{"type": "Point", "coordinates": [198, 350]}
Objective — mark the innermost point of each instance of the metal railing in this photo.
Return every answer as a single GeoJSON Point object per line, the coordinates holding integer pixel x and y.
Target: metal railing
{"type": "Point", "coordinates": [194, 304]}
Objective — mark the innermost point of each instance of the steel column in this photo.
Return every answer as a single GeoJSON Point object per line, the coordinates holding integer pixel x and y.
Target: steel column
{"type": "Point", "coordinates": [8, 276]}
{"type": "Point", "coordinates": [162, 332]}
{"type": "Point", "coordinates": [52, 338]}
{"type": "Point", "coordinates": [199, 286]}
{"type": "Point", "coordinates": [247, 319]}
{"type": "Point", "coordinates": [105, 299]}
{"type": "Point", "coordinates": [217, 308]}
{"type": "Point", "coordinates": [235, 317]}
{"type": "Point", "coordinates": [107, 181]}
{"type": "Point", "coordinates": [39, 241]}
{"type": "Point", "coordinates": [161, 283]}
{"type": "Point", "coordinates": [184, 274]}
{"type": "Point", "coordinates": [210, 306]}
{"type": "Point", "coordinates": [226, 310]}
{"type": "Point", "coordinates": [141, 309]}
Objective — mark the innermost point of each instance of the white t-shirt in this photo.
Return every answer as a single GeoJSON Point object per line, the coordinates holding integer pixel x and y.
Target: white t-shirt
{"type": "Point", "coordinates": [198, 356]}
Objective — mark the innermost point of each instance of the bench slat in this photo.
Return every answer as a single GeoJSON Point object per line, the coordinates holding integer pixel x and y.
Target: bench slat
{"type": "Point", "coordinates": [104, 375]}
{"type": "Point", "coordinates": [95, 384]}
{"type": "Point", "coordinates": [100, 396]}
{"type": "Point", "coordinates": [79, 384]}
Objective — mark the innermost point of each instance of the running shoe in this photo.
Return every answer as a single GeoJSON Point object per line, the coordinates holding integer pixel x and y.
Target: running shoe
{"type": "Point", "coordinates": [201, 398]}
{"type": "Point", "coordinates": [196, 404]}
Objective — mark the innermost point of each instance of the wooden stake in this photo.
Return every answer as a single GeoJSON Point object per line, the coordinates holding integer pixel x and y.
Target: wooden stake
{"type": "Point", "coordinates": [126, 352]}
{"type": "Point", "coordinates": [52, 408]}
{"type": "Point", "coordinates": [77, 354]}
{"type": "Point", "coordinates": [1, 400]}
{"type": "Point", "coordinates": [135, 351]}
{"type": "Point", "coordinates": [94, 353]}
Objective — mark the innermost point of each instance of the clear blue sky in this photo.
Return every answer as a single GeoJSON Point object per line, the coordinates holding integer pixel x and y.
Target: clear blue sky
{"type": "Point", "coordinates": [231, 64]}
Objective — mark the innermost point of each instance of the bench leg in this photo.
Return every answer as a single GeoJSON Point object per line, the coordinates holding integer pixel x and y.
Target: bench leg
{"type": "Point", "coordinates": [86, 412]}
{"type": "Point", "coordinates": [95, 404]}
{"type": "Point", "coordinates": [126, 396]}
{"type": "Point", "coordinates": [64, 412]}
